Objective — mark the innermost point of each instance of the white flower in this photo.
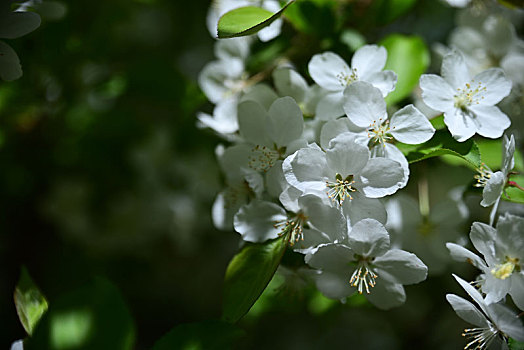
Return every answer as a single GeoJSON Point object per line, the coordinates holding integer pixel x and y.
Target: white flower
{"type": "Point", "coordinates": [495, 322]}
{"type": "Point", "coordinates": [333, 74]}
{"type": "Point", "coordinates": [365, 261]}
{"type": "Point", "coordinates": [503, 263]}
{"type": "Point", "coordinates": [468, 104]}
{"type": "Point", "coordinates": [493, 44]}
{"type": "Point", "coordinates": [345, 174]}
{"type": "Point", "coordinates": [308, 222]}
{"type": "Point", "coordinates": [270, 135]}
{"type": "Point", "coordinates": [494, 183]}
{"type": "Point", "coordinates": [365, 107]}
{"type": "Point", "coordinates": [426, 235]}
{"type": "Point", "coordinates": [290, 83]}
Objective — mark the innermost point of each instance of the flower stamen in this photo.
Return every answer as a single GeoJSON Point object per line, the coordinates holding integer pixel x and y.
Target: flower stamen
{"type": "Point", "coordinates": [484, 174]}
{"type": "Point", "coordinates": [341, 189]}
{"type": "Point", "coordinates": [378, 131]}
{"type": "Point", "coordinates": [293, 226]}
{"type": "Point", "coordinates": [363, 277]}
{"type": "Point", "coordinates": [262, 158]}
{"type": "Point", "coordinates": [468, 96]}
{"type": "Point", "coordinates": [503, 271]}
{"type": "Point", "coordinates": [345, 79]}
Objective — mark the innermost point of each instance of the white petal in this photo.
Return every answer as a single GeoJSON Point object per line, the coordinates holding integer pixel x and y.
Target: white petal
{"type": "Point", "coordinates": [436, 92]}
{"type": "Point", "coordinates": [454, 70]}
{"type": "Point", "coordinates": [345, 156]}
{"type": "Point", "coordinates": [496, 85]}
{"type": "Point", "coordinates": [369, 59]}
{"type": "Point", "coordinates": [472, 292]}
{"type": "Point", "coordinates": [380, 177]}
{"type": "Point", "coordinates": [364, 104]}
{"type": "Point", "coordinates": [333, 285]}
{"type": "Point", "coordinates": [256, 221]}
{"type": "Point", "coordinates": [392, 152]}
{"type": "Point", "coordinates": [467, 311]}
{"type": "Point", "coordinates": [517, 289]}
{"type": "Point", "coordinates": [289, 198]}
{"type": "Point", "coordinates": [493, 189]}
{"type": "Point", "coordinates": [333, 128]}
{"type": "Point", "coordinates": [306, 168]}
{"type": "Point", "coordinates": [410, 126]}
{"type": "Point", "coordinates": [507, 321]}
{"type": "Point", "coordinates": [387, 295]}
{"type": "Point", "coordinates": [252, 121]}
{"type": "Point", "coordinates": [330, 106]}
{"type": "Point", "coordinates": [508, 151]}
{"type": "Point", "coordinates": [369, 238]}
{"type": "Point", "coordinates": [224, 118]}
{"type": "Point", "coordinates": [460, 124]}
{"type": "Point", "coordinates": [509, 234]}
{"type": "Point", "coordinates": [332, 257]}
{"type": "Point", "coordinates": [260, 93]}
{"type": "Point", "coordinates": [232, 48]}
{"type": "Point", "coordinates": [459, 253]}
{"type": "Point", "coordinates": [312, 238]}
{"type": "Point", "coordinates": [213, 77]}
{"type": "Point", "coordinates": [384, 81]}
{"type": "Point", "coordinates": [327, 70]}
{"type": "Point", "coordinates": [402, 267]}
{"type": "Point", "coordinates": [361, 207]}
{"type": "Point", "coordinates": [491, 122]}
{"type": "Point", "coordinates": [290, 83]}
{"type": "Point", "coordinates": [324, 218]}
{"type": "Point", "coordinates": [286, 121]}
{"type": "Point", "coordinates": [483, 237]}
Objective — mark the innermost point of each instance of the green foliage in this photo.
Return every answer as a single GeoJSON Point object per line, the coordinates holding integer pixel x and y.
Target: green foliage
{"type": "Point", "coordinates": [29, 301]}
{"type": "Point", "coordinates": [248, 274]}
{"type": "Point", "coordinates": [246, 21]}
{"type": "Point", "coordinates": [200, 336]}
{"type": "Point", "coordinates": [91, 317]}
{"type": "Point", "coordinates": [408, 56]}
{"type": "Point", "coordinates": [314, 17]}
{"type": "Point", "coordinates": [515, 345]}
{"type": "Point", "coordinates": [386, 11]}
{"type": "Point", "coordinates": [441, 144]}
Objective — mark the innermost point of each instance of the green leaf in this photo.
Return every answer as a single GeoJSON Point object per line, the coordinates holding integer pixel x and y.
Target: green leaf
{"type": "Point", "coordinates": [441, 144]}
{"type": "Point", "coordinates": [201, 335]}
{"type": "Point", "coordinates": [246, 21]}
{"type": "Point", "coordinates": [515, 345]}
{"type": "Point", "coordinates": [94, 316]}
{"type": "Point", "coordinates": [29, 301]}
{"type": "Point", "coordinates": [248, 274]}
{"type": "Point", "coordinates": [513, 194]}
{"type": "Point", "coordinates": [408, 57]}
{"type": "Point", "coordinates": [386, 11]}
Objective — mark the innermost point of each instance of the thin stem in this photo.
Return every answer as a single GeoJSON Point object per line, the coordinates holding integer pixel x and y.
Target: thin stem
{"type": "Point", "coordinates": [423, 195]}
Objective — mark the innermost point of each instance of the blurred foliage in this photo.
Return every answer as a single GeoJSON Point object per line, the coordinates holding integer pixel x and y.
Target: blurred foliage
{"type": "Point", "coordinates": [105, 174]}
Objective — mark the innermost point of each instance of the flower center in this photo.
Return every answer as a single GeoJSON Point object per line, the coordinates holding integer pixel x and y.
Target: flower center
{"type": "Point", "coordinates": [378, 131]}
{"type": "Point", "coordinates": [340, 189]}
{"type": "Point", "coordinates": [483, 176]}
{"type": "Point", "coordinates": [481, 337]}
{"type": "Point", "coordinates": [262, 158]}
{"type": "Point", "coordinates": [363, 277]}
{"type": "Point", "coordinates": [346, 79]}
{"type": "Point", "coordinates": [503, 271]}
{"type": "Point", "coordinates": [293, 226]}
{"type": "Point", "coordinates": [468, 95]}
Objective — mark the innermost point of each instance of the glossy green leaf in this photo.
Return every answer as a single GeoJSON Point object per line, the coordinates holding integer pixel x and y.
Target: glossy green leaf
{"type": "Point", "coordinates": [93, 316]}
{"type": "Point", "coordinates": [408, 57]}
{"type": "Point", "coordinates": [246, 21]}
{"type": "Point", "coordinates": [248, 274]}
{"type": "Point", "coordinates": [201, 335]}
{"type": "Point", "coordinates": [441, 144]}
{"type": "Point", "coordinates": [29, 301]}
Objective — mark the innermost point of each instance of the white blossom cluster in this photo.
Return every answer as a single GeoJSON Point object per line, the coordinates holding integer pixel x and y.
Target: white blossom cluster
{"type": "Point", "coordinates": [318, 163]}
